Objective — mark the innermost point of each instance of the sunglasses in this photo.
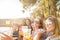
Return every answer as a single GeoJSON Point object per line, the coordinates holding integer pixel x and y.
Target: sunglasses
{"type": "Point", "coordinates": [48, 22]}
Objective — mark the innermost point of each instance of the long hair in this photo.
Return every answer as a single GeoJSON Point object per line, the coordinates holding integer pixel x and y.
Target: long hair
{"type": "Point", "coordinates": [40, 21]}
{"type": "Point", "coordinates": [55, 22]}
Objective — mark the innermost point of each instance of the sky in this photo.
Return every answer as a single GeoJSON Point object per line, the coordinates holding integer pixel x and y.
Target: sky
{"type": "Point", "coordinates": [10, 9]}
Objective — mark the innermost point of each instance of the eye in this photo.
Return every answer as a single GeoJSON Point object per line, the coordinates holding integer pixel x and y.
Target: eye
{"type": "Point", "coordinates": [50, 24]}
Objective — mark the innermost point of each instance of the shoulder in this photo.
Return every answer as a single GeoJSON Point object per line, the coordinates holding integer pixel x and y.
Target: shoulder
{"type": "Point", "coordinates": [57, 38]}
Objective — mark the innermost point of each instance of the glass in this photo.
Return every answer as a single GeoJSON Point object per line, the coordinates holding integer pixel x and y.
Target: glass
{"type": "Point", "coordinates": [7, 23]}
{"type": "Point", "coordinates": [26, 33]}
{"type": "Point", "coordinates": [20, 33]}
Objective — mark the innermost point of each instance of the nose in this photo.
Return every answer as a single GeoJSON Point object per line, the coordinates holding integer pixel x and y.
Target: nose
{"type": "Point", "coordinates": [46, 25]}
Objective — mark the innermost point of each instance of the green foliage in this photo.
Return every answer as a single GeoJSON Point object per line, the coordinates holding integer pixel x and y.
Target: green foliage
{"type": "Point", "coordinates": [45, 7]}
{"type": "Point", "coordinates": [27, 3]}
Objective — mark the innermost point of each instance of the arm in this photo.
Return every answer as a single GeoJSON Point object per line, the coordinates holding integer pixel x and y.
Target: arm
{"type": "Point", "coordinates": [6, 37]}
{"type": "Point", "coordinates": [37, 36]}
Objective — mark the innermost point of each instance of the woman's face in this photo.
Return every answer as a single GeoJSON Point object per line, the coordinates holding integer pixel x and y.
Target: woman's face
{"type": "Point", "coordinates": [49, 25]}
{"type": "Point", "coordinates": [36, 23]}
{"type": "Point", "coordinates": [27, 22]}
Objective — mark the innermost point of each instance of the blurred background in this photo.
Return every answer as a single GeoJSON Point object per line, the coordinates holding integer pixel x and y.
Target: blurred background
{"type": "Point", "coordinates": [12, 11]}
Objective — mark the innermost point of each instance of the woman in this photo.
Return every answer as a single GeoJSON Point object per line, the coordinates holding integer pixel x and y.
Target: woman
{"type": "Point", "coordinates": [28, 23]}
{"type": "Point", "coordinates": [38, 31]}
{"type": "Point", "coordinates": [52, 27]}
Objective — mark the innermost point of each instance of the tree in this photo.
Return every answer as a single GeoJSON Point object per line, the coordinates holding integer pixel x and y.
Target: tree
{"type": "Point", "coordinates": [43, 7]}
{"type": "Point", "coordinates": [27, 3]}
{"type": "Point", "coordinates": [47, 7]}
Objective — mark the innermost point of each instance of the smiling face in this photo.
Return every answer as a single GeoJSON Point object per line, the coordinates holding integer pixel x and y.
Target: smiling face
{"type": "Point", "coordinates": [27, 22]}
{"type": "Point", "coordinates": [49, 25]}
{"type": "Point", "coordinates": [36, 24]}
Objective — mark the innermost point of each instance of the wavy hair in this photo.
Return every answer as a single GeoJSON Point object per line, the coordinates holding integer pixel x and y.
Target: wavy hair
{"type": "Point", "coordinates": [54, 20]}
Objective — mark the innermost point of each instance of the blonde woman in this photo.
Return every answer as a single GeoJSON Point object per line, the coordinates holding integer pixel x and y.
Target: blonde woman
{"type": "Point", "coordinates": [52, 26]}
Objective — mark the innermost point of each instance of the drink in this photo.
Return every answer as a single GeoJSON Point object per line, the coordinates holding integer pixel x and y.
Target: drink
{"type": "Point", "coordinates": [26, 33]}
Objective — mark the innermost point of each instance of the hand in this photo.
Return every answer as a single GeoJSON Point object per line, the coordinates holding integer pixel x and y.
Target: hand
{"type": "Point", "coordinates": [5, 37]}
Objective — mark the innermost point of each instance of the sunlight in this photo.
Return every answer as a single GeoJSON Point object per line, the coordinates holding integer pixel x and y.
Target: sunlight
{"type": "Point", "coordinates": [10, 9]}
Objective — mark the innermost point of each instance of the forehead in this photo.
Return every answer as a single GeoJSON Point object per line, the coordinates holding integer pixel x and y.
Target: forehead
{"type": "Point", "coordinates": [27, 20]}
{"type": "Point", "coordinates": [48, 21]}
{"type": "Point", "coordinates": [36, 20]}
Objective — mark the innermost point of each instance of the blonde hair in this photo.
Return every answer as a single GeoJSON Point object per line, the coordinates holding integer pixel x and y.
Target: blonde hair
{"type": "Point", "coordinates": [55, 21]}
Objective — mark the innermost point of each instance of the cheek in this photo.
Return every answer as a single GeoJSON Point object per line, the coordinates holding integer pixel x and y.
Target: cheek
{"type": "Point", "coordinates": [37, 25]}
{"type": "Point", "coordinates": [27, 21]}
{"type": "Point", "coordinates": [50, 28]}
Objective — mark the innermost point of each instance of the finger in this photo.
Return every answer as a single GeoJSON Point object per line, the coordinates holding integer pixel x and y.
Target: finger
{"type": "Point", "coordinates": [2, 37]}
{"type": "Point", "coordinates": [5, 36]}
